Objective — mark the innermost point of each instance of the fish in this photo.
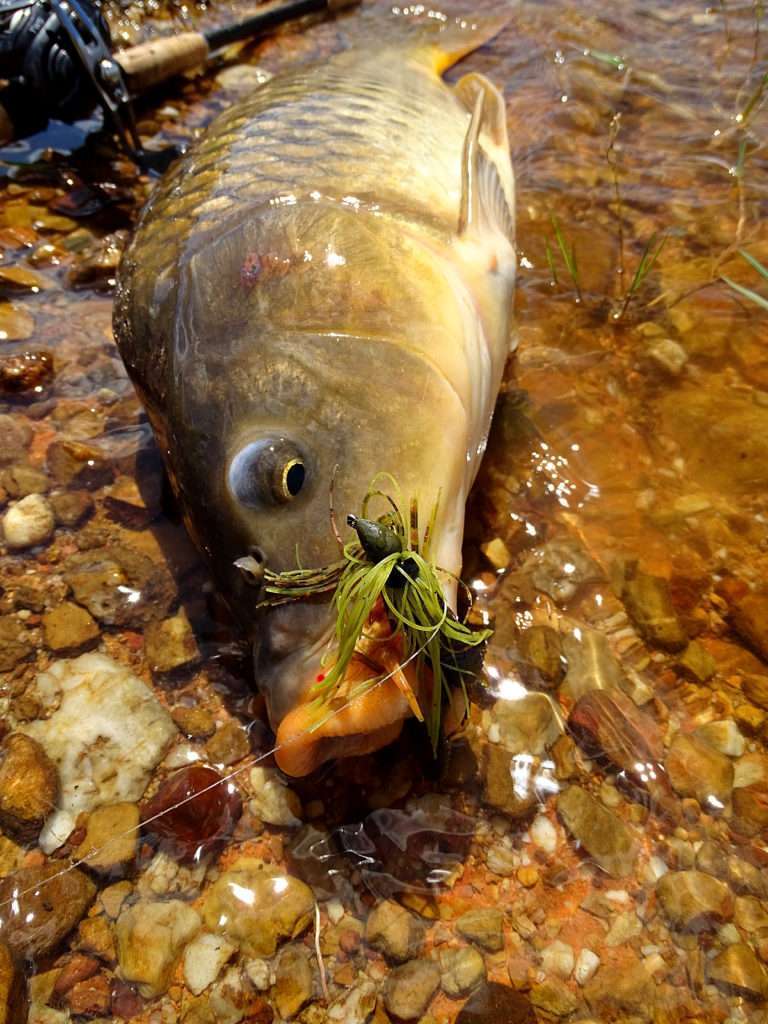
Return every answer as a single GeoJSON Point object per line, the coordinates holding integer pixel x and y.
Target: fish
{"type": "Point", "coordinates": [320, 291]}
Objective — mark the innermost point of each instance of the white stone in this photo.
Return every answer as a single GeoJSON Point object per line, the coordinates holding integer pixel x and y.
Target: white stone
{"type": "Point", "coordinates": [356, 1005]}
{"type": "Point", "coordinates": [724, 736]}
{"type": "Point", "coordinates": [258, 973]}
{"type": "Point", "coordinates": [204, 958]}
{"type": "Point", "coordinates": [624, 927]}
{"type": "Point", "coordinates": [729, 934]}
{"type": "Point", "coordinates": [28, 522]}
{"type": "Point", "coordinates": [107, 735]}
{"type": "Point", "coordinates": [273, 801]}
{"type": "Point", "coordinates": [226, 998]}
{"type": "Point", "coordinates": [587, 963]}
{"type": "Point", "coordinates": [654, 962]}
{"type": "Point", "coordinates": [667, 354]}
{"type": "Point", "coordinates": [151, 937]}
{"type": "Point", "coordinates": [544, 834]}
{"type": "Point", "coordinates": [181, 755]}
{"type": "Point", "coordinates": [335, 911]}
{"type": "Point", "coordinates": [501, 860]}
{"type": "Point", "coordinates": [164, 876]}
{"type": "Point", "coordinates": [557, 958]}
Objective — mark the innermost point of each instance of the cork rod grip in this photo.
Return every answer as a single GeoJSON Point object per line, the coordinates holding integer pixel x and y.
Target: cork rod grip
{"type": "Point", "coordinates": [148, 64]}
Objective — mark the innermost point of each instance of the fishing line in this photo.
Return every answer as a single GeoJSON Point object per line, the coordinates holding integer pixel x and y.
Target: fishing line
{"type": "Point", "coordinates": [251, 763]}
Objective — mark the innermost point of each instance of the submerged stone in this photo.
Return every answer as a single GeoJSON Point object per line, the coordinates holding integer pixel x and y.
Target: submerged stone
{"type": "Point", "coordinates": [602, 834]}
{"type": "Point", "coordinates": [39, 906]}
{"type": "Point", "coordinates": [29, 786]}
{"type": "Point", "coordinates": [696, 769]}
{"type": "Point", "coordinates": [694, 901]}
{"type": "Point", "coordinates": [738, 972]}
{"type": "Point", "coordinates": [649, 604]}
{"type": "Point", "coordinates": [497, 1003]}
{"type": "Point", "coordinates": [151, 937]}
{"type": "Point", "coordinates": [409, 989]}
{"type": "Point", "coordinates": [394, 931]}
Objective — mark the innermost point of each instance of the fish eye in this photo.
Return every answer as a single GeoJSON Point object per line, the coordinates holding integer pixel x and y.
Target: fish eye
{"type": "Point", "coordinates": [272, 471]}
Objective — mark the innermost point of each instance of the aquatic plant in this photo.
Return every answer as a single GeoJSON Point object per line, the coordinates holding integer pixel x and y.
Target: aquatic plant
{"type": "Point", "coordinates": [650, 254]}
{"type": "Point", "coordinates": [387, 568]}
{"type": "Point", "coordinates": [748, 293]}
{"type": "Point", "coordinates": [568, 253]}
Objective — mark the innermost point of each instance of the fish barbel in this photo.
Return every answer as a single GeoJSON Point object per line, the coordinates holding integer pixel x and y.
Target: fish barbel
{"type": "Point", "coordinates": [321, 289]}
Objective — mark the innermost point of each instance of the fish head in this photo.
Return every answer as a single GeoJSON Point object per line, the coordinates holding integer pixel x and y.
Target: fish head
{"type": "Point", "coordinates": [306, 372]}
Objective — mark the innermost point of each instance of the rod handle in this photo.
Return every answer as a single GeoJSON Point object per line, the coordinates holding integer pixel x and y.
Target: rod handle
{"type": "Point", "coordinates": [153, 62]}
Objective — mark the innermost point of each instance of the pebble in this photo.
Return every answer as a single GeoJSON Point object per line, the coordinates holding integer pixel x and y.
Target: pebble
{"type": "Point", "coordinates": [693, 901]}
{"type": "Point", "coordinates": [229, 744]}
{"type": "Point", "coordinates": [257, 906]}
{"type": "Point", "coordinates": [71, 508]}
{"type": "Point", "coordinates": [557, 958]}
{"type": "Point", "coordinates": [738, 972]}
{"type": "Point", "coordinates": [750, 620]}
{"type": "Point", "coordinates": [586, 964]}
{"type": "Point", "coordinates": [554, 998]}
{"type": "Point", "coordinates": [484, 927]}
{"type": "Point", "coordinates": [750, 914]}
{"type": "Point", "coordinates": [508, 784]}
{"type": "Point", "coordinates": [357, 1005]}
{"type": "Point", "coordinates": [40, 905]}
{"type": "Point", "coordinates": [258, 972]}
{"type": "Point", "coordinates": [394, 931]}
{"type": "Point", "coordinates": [111, 838]}
{"type": "Point", "coordinates": [592, 665]}
{"type": "Point", "coordinates": [601, 833]}
{"type": "Point", "coordinates": [614, 989]}
{"type": "Point", "coordinates": [543, 834]}
{"type": "Point", "coordinates": [697, 663]}
{"type": "Point", "coordinates": [90, 998]}
{"type": "Point", "coordinates": [293, 981]}
{"type": "Point", "coordinates": [501, 860]}
{"type": "Point", "coordinates": [13, 996]}
{"type": "Point", "coordinates": [95, 935]}
{"type": "Point", "coordinates": [74, 464]}
{"type": "Point", "coordinates": [204, 958]}
{"type": "Point", "coordinates": [755, 688]}
{"type": "Point", "coordinates": [409, 989]}
{"type": "Point", "coordinates": [497, 1003]}
{"type": "Point", "coordinates": [15, 644]}
{"type": "Point", "coordinates": [194, 810]}
{"type": "Point", "coordinates": [68, 627]}
{"type": "Point", "coordinates": [15, 436]}
{"type": "Point", "coordinates": [750, 809]}
{"type": "Point", "coordinates": [668, 354]}
{"type": "Point", "coordinates": [170, 644]}
{"type": "Point", "coordinates": [107, 718]}
{"type": "Point", "coordinates": [624, 927]}
{"type": "Point", "coordinates": [528, 725]}
{"type": "Point", "coordinates": [22, 480]}
{"type": "Point", "coordinates": [29, 786]}
{"type": "Point", "coordinates": [698, 770]}
{"type": "Point", "coordinates": [194, 722]}
{"type": "Point", "coordinates": [724, 736]}
{"type": "Point", "coordinates": [541, 648]}
{"type": "Point", "coordinates": [461, 970]}
{"type": "Point", "coordinates": [273, 802]}
{"type": "Point", "coordinates": [151, 937]}
{"type": "Point", "coordinates": [28, 522]}
{"type": "Point", "coordinates": [113, 897]}
{"type": "Point", "coordinates": [649, 604]}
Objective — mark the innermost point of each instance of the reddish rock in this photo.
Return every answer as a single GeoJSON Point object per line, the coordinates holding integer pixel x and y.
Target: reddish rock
{"type": "Point", "coordinates": [78, 969]}
{"type": "Point", "coordinates": [90, 998]}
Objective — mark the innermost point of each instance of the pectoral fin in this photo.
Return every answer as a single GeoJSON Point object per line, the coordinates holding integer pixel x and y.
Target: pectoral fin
{"type": "Point", "coordinates": [487, 189]}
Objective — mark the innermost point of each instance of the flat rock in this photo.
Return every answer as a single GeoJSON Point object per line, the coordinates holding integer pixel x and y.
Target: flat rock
{"type": "Point", "coordinates": [649, 605]}
{"type": "Point", "coordinates": [493, 1003]}
{"type": "Point", "coordinates": [40, 906]}
{"type": "Point", "coordinates": [394, 931]}
{"type": "Point", "coordinates": [696, 769]}
{"type": "Point", "coordinates": [409, 989]}
{"type": "Point", "coordinates": [526, 726]}
{"type": "Point", "coordinates": [623, 988]}
{"type": "Point", "coordinates": [257, 906]}
{"type": "Point", "coordinates": [151, 937]}
{"type": "Point", "coordinates": [194, 722]}
{"type": "Point", "coordinates": [601, 833]}
{"type": "Point", "coordinates": [724, 736]}
{"type": "Point", "coordinates": [484, 927]}
{"type": "Point", "coordinates": [108, 719]}
{"type": "Point", "coordinates": [694, 901]}
{"type": "Point", "coordinates": [461, 970]}
{"type": "Point", "coordinates": [170, 644]}
{"type": "Point", "coordinates": [204, 958]}
{"type": "Point", "coordinates": [111, 838]}
{"type": "Point", "coordinates": [592, 665]}
{"type": "Point", "coordinates": [29, 786]}
{"type": "Point", "coordinates": [738, 972]}
{"type": "Point", "coordinates": [74, 464]}
{"type": "Point", "coordinates": [68, 627]}
{"type": "Point", "coordinates": [293, 981]}
{"type": "Point", "coordinates": [71, 508]}
{"type": "Point", "coordinates": [553, 998]}
{"type": "Point", "coordinates": [750, 809]}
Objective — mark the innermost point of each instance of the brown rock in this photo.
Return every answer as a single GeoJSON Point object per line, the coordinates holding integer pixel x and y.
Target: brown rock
{"type": "Point", "coordinates": [697, 663]}
{"type": "Point", "coordinates": [755, 688]}
{"type": "Point", "coordinates": [69, 627]}
{"type": "Point", "coordinates": [498, 1004]}
{"type": "Point", "coordinates": [553, 998]}
{"type": "Point", "coordinates": [649, 604]}
{"type": "Point", "coordinates": [617, 989]}
{"type": "Point", "coordinates": [601, 833]}
{"type": "Point", "coordinates": [170, 644]}
{"type": "Point", "coordinates": [195, 722]}
{"type": "Point", "coordinates": [90, 998]}
{"type": "Point", "coordinates": [42, 905]}
{"type": "Point", "coordinates": [95, 936]}
{"type": "Point", "coordinates": [750, 620]}
{"type": "Point", "coordinates": [111, 838]}
{"type": "Point", "coordinates": [15, 645]}
{"type": "Point", "coordinates": [229, 744]}
{"type": "Point", "coordinates": [750, 809]}
{"type": "Point", "coordinates": [29, 785]}
{"type": "Point", "coordinates": [293, 981]}
{"type": "Point", "coordinates": [541, 648]}
{"type": "Point", "coordinates": [694, 901]}
{"type": "Point", "coordinates": [74, 464]}
{"type": "Point", "coordinates": [697, 769]}
{"type": "Point", "coordinates": [484, 927]}
{"type": "Point", "coordinates": [394, 931]}
{"type": "Point", "coordinates": [72, 508]}
{"type": "Point", "coordinates": [75, 970]}
{"type": "Point", "coordinates": [13, 995]}
{"type": "Point", "coordinates": [15, 435]}
{"type": "Point", "coordinates": [738, 972]}
{"type": "Point", "coordinates": [21, 480]}
{"type": "Point", "coordinates": [515, 796]}
{"type": "Point", "coordinates": [409, 989]}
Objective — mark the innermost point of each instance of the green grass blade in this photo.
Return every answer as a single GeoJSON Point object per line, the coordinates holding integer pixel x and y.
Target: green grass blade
{"type": "Point", "coordinates": [747, 293]}
{"type": "Point", "coordinates": [759, 267]}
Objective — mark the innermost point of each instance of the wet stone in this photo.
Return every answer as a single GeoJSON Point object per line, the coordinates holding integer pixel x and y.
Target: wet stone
{"type": "Point", "coordinates": [697, 663]}
{"type": "Point", "coordinates": [750, 809]}
{"type": "Point", "coordinates": [40, 906]}
{"type": "Point", "coordinates": [592, 665]}
{"type": "Point", "coordinates": [693, 901]}
{"type": "Point", "coordinates": [293, 981]}
{"type": "Point", "coordinates": [755, 688]}
{"type": "Point", "coordinates": [750, 914]}
{"type": "Point", "coordinates": [72, 508]}
{"type": "Point", "coordinates": [737, 971]}
{"type": "Point", "coordinates": [229, 744]}
{"type": "Point", "coordinates": [409, 989]}
{"type": "Point", "coordinates": [170, 644]}
{"type": "Point", "coordinates": [499, 1004]}
{"type": "Point", "coordinates": [257, 906]}
{"type": "Point", "coordinates": [15, 645]}
{"type": "Point", "coordinates": [615, 989]}
{"type": "Point", "coordinates": [95, 936]}
{"type": "Point", "coordinates": [29, 786]}
{"type": "Point", "coordinates": [750, 620]}
{"type": "Point", "coordinates": [697, 769]}
{"type": "Point", "coordinates": [204, 959]}
{"type": "Point", "coordinates": [151, 937]}
{"type": "Point", "coordinates": [724, 736]}
{"type": "Point", "coordinates": [15, 436]}
{"type": "Point", "coordinates": [553, 997]}
{"type": "Point", "coordinates": [68, 627]}
{"type": "Point", "coordinates": [273, 802]}
{"type": "Point", "coordinates": [602, 834]}
{"type": "Point", "coordinates": [504, 788]}
{"type": "Point", "coordinates": [90, 998]}
{"type": "Point", "coordinates": [193, 811]}
{"type": "Point", "coordinates": [28, 522]}
{"type": "Point", "coordinates": [483, 927]}
{"type": "Point", "coordinates": [394, 931]}
{"type": "Point", "coordinates": [649, 604]}
{"type": "Point", "coordinates": [13, 1001]}
{"type": "Point", "coordinates": [541, 649]}
{"type": "Point", "coordinates": [194, 722]}
{"type": "Point", "coordinates": [111, 838]}
{"type": "Point", "coordinates": [74, 464]}
{"type": "Point", "coordinates": [461, 970]}
{"type": "Point", "coordinates": [21, 480]}
{"type": "Point", "coordinates": [24, 372]}
{"type": "Point", "coordinates": [526, 726]}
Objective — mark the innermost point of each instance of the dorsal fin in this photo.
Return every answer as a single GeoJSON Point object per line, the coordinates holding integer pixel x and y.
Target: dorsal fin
{"type": "Point", "coordinates": [486, 200]}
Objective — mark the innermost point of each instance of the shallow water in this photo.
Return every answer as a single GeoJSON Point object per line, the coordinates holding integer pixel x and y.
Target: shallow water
{"type": "Point", "coordinates": [602, 816]}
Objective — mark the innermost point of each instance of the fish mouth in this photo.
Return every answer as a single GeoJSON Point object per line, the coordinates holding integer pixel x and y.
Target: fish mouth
{"type": "Point", "coordinates": [380, 689]}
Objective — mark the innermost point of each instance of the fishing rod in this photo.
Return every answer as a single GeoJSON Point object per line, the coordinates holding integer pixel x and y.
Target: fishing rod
{"type": "Point", "coordinates": [56, 61]}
